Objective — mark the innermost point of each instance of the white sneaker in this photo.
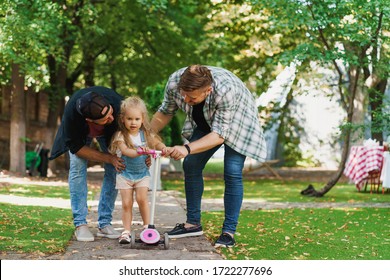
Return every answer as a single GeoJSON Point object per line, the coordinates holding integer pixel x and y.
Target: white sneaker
{"type": "Point", "coordinates": [82, 233]}
{"type": "Point", "coordinates": [125, 238]}
{"type": "Point", "coordinates": [108, 232]}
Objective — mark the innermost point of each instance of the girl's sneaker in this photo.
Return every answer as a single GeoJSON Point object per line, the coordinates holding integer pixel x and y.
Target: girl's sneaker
{"type": "Point", "coordinates": [124, 238]}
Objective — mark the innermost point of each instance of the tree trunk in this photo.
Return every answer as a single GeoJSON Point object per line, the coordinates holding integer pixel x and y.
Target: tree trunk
{"type": "Point", "coordinates": [18, 123]}
{"type": "Point", "coordinates": [5, 100]}
{"type": "Point", "coordinates": [359, 114]}
{"type": "Point", "coordinates": [352, 90]}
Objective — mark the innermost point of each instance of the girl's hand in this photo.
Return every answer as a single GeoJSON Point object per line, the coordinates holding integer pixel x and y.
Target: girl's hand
{"type": "Point", "coordinates": [144, 151]}
{"type": "Point", "coordinates": [141, 150]}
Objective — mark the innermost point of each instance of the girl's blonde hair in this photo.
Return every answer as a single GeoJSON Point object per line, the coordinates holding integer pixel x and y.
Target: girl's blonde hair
{"type": "Point", "coordinates": [150, 136]}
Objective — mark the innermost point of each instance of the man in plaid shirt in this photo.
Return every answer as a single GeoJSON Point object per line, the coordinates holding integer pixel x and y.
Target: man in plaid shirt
{"type": "Point", "coordinates": [220, 110]}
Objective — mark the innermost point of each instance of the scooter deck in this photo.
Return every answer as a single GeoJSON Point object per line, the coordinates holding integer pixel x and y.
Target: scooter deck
{"type": "Point", "coordinates": [162, 241]}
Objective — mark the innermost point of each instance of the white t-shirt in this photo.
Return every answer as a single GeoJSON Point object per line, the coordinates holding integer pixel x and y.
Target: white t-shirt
{"type": "Point", "coordinates": [136, 140]}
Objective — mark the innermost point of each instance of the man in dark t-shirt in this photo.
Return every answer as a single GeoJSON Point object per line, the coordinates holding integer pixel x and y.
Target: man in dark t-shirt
{"type": "Point", "coordinates": [90, 113]}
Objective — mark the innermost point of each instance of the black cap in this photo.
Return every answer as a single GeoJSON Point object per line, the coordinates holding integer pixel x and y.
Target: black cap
{"type": "Point", "coordinates": [91, 105]}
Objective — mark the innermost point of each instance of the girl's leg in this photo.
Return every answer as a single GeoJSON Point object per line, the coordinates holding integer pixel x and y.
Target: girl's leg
{"type": "Point", "coordinates": [127, 207]}
{"type": "Point", "coordinates": [141, 195]}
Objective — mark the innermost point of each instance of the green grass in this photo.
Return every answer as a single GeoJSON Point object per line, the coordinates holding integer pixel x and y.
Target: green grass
{"type": "Point", "coordinates": [32, 229]}
{"type": "Point", "coordinates": [283, 191]}
{"type": "Point", "coordinates": [299, 234]}
{"type": "Point", "coordinates": [214, 166]}
{"type": "Point", "coordinates": [281, 234]}
{"type": "Point", "coordinates": [307, 234]}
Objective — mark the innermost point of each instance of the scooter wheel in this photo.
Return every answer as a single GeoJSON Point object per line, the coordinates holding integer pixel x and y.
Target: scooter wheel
{"type": "Point", "coordinates": [166, 241]}
{"type": "Point", "coordinates": [150, 236]}
{"type": "Point", "coordinates": [132, 241]}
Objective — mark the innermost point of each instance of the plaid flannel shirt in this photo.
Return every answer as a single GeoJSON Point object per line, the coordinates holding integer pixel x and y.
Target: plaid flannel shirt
{"type": "Point", "coordinates": [230, 110]}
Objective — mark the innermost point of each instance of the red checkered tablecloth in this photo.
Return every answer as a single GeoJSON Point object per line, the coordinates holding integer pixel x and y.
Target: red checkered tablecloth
{"type": "Point", "coordinates": [361, 161]}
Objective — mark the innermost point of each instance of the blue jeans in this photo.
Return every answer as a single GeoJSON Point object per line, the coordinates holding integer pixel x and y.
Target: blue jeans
{"type": "Point", "coordinates": [193, 166]}
{"type": "Point", "coordinates": [79, 189]}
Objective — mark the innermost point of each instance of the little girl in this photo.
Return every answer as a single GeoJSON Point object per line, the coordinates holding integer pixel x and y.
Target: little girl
{"type": "Point", "coordinates": [134, 132]}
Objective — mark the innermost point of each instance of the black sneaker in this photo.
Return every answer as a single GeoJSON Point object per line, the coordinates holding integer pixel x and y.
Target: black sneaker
{"type": "Point", "coordinates": [180, 231]}
{"type": "Point", "coordinates": [225, 240]}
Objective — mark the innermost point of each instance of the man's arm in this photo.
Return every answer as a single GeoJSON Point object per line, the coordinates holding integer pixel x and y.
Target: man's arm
{"type": "Point", "coordinates": [205, 143]}
{"type": "Point", "coordinates": [159, 121]}
{"type": "Point", "coordinates": [93, 155]}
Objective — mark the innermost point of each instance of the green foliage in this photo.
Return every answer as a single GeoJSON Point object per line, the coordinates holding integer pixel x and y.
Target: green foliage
{"type": "Point", "coordinates": [289, 137]}
{"type": "Point", "coordinates": [29, 30]}
{"type": "Point", "coordinates": [306, 234]}
{"type": "Point", "coordinates": [153, 97]}
{"type": "Point", "coordinates": [380, 116]}
{"type": "Point", "coordinates": [142, 42]}
{"type": "Point", "coordinates": [154, 4]}
{"type": "Point", "coordinates": [241, 38]}
{"type": "Point", "coordinates": [377, 124]}
{"type": "Point", "coordinates": [126, 45]}
{"type": "Point", "coordinates": [131, 45]}
{"type": "Point", "coordinates": [350, 37]}
{"type": "Point", "coordinates": [345, 22]}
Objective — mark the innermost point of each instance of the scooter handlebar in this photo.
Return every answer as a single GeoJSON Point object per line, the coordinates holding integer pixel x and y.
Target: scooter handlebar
{"type": "Point", "coordinates": [149, 152]}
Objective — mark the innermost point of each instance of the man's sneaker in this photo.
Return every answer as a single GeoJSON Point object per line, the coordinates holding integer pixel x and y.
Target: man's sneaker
{"type": "Point", "coordinates": [224, 240]}
{"type": "Point", "coordinates": [82, 233]}
{"type": "Point", "coordinates": [180, 231]}
{"type": "Point", "coordinates": [108, 232]}
{"type": "Point", "coordinates": [125, 238]}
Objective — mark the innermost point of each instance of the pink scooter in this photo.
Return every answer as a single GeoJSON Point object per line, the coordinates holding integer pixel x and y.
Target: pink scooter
{"type": "Point", "coordinates": [150, 235]}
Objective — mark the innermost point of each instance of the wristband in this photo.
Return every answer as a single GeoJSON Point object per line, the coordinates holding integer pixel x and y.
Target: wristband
{"type": "Point", "coordinates": [188, 148]}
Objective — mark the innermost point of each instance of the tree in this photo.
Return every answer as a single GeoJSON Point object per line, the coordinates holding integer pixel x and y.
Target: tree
{"type": "Point", "coordinates": [28, 29]}
{"type": "Point", "coordinates": [348, 35]}
{"type": "Point", "coordinates": [241, 39]}
{"type": "Point", "coordinates": [145, 41]}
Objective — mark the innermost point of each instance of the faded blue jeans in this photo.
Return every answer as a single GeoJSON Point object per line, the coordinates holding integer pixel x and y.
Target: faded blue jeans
{"type": "Point", "coordinates": [193, 166]}
{"type": "Point", "coordinates": [79, 189]}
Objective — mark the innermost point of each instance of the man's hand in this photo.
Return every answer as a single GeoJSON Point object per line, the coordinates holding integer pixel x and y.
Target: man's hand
{"type": "Point", "coordinates": [148, 161]}
{"type": "Point", "coordinates": [178, 152]}
{"type": "Point", "coordinates": [118, 163]}
{"type": "Point", "coordinates": [94, 155]}
{"type": "Point", "coordinates": [166, 151]}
